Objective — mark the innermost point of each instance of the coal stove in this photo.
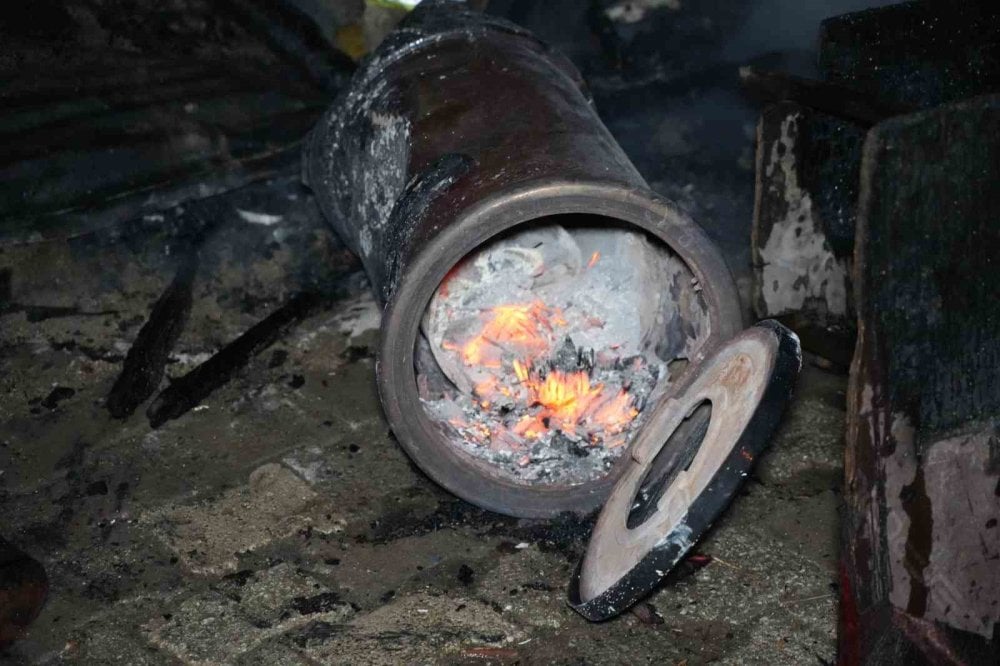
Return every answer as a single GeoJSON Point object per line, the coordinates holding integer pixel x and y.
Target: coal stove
{"type": "Point", "coordinates": [540, 350]}
{"type": "Point", "coordinates": [538, 297]}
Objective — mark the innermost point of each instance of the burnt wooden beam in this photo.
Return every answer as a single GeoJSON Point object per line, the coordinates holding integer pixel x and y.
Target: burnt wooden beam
{"type": "Point", "coordinates": [914, 54]}
{"type": "Point", "coordinates": [188, 391]}
{"type": "Point", "coordinates": [143, 368]}
{"type": "Point", "coordinates": [104, 158]}
{"type": "Point", "coordinates": [155, 116]}
{"type": "Point", "coordinates": [118, 202]}
{"type": "Point", "coordinates": [829, 98]}
{"type": "Point", "coordinates": [921, 553]}
{"type": "Point", "coordinates": [96, 135]}
{"type": "Point", "coordinates": [803, 225]}
{"type": "Point", "coordinates": [876, 64]}
{"type": "Point", "coordinates": [297, 38]}
{"type": "Point", "coordinates": [86, 78]}
{"type": "Point", "coordinates": [92, 105]}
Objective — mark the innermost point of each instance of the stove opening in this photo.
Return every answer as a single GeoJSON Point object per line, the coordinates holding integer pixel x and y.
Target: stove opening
{"type": "Point", "coordinates": [540, 351]}
{"type": "Point", "coordinates": [674, 457]}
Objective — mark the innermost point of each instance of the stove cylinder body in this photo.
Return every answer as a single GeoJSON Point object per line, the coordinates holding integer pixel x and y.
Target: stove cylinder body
{"type": "Point", "coordinates": [459, 127]}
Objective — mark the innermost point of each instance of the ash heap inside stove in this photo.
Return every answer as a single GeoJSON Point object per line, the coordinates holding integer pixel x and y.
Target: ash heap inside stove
{"type": "Point", "coordinates": [540, 351]}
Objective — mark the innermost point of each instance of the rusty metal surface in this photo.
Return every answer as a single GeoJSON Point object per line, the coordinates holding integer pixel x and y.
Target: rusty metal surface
{"type": "Point", "coordinates": [452, 83]}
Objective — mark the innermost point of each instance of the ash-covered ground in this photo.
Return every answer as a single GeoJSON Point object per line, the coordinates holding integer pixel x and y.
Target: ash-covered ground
{"type": "Point", "coordinates": [278, 522]}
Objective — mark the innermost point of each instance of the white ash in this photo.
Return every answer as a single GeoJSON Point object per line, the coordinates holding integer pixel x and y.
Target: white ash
{"type": "Point", "coordinates": [603, 300]}
{"type": "Point", "coordinates": [608, 284]}
{"type": "Point", "coordinates": [557, 457]}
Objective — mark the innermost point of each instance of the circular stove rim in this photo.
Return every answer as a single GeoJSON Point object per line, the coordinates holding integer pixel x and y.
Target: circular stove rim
{"type": "Point", "coordinates": [475, 226]}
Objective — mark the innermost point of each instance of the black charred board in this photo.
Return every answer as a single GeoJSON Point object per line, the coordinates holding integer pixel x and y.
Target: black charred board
{"type": "Point", "coordinates": [923, 465]}
{"type": "Point", "coordinates": [804, 215]}
{"type": "Point", "coordinates": [915, 54]}
{"type": "Point", "coordinates": [877, 63]}
{"type": "Point", "coordinates": [188, 391]}
{"type": "Point", "coordinates": [144, 365]}
{"type": "Point", "coordinates": [110, 112]}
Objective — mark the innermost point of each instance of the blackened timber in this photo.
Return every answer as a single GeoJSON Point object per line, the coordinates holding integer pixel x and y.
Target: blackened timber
{"type": "Point", "coordinates": [143, 369]}
{"type": "Point", "coordinates": [876, 64]}
{"type": "Point", "coordinates": [803, 225]}
{"type": "Point", "coordinates": [29, 117]}
{"type": "Point", "coordinates": [835, 100]}
{"type": "Point", "coordinates": [921, 485]}
{"type": "Point", "coordinates": [59, 87]}
{"type": "Point", "coordinates": [915, 54]}
{"type": "Point", "coordinates": [188, 391]}
{"type": "Point", "coordinates": [297, 38]}
{"type": "Point", "coordinates": [163, 191]}
{"type": "Point", "coordinates": [100, 134]}
{"type": "Point", "coordinates": [115, 127]}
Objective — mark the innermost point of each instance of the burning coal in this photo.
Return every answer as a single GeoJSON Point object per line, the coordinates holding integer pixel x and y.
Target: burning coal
{"type": "Point", "coordinates": [552, 397]}
{"type": "Point", "coordinates": [545, 348]}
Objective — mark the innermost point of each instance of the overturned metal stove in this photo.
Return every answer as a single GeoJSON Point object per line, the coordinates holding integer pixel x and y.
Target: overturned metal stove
{"type": "Point", "coordinates": [554, 333]}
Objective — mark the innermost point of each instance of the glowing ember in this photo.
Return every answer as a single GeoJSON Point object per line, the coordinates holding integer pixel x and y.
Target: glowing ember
{"type": "Point", "coordinates": [555, 400]}
{"type": "Point", "coordinates": [568, 400]}
{"type": "Point", "coordinates": [541, 349]}
{"type": "Point", "coordinates": [512, 327]}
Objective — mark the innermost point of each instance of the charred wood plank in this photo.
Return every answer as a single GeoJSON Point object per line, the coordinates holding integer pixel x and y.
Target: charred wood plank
{"type": "Point", "coordinates": [117, 202]}
{"type": "Point", "coordinates": [803, 224]}
{"type": "Point", "coordinates": [877, 63]}
{"type": "Point", "coordinates": [218, 125]}
{"type": "Point", "coordinates": [18, 116]}
{"type": "Point", "coordinates": [98, 78]}
{"type": "Point", "coordinates": [143, 369]}
{"type": "Point", "coordinates": [828, 98]}
{"type": "Point", "coordinates": [186, 103]}
{"type": "Point", "coordinates": [915, 54]}
{"type": "Point", "coordinates": [922, 544]}
{"type": "Point", "coordinates": [295, 36]}
{"type": "Point", "coordinates": [188, 391]}
{"type": "Point", "coordinates": [156, 115]}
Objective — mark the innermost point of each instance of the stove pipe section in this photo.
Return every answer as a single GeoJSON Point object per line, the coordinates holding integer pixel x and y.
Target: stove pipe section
{"type": "Point", "coordinates": [458, 128]}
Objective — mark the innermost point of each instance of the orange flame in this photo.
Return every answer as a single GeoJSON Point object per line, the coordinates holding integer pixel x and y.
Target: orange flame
{"type": "Point", "coordinates": [519, 326]}
{"type": "Point", "coordinates": [568, 400]}
{"type": "Point", "coordinates": [564, 400]}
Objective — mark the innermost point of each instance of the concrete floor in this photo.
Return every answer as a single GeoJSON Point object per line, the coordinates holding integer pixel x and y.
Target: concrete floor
{"type": "Point", "coordinates": [279, 522]}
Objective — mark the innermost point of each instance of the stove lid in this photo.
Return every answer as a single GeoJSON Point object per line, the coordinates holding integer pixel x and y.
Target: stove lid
{"type": "Point", "coordinates": [686, 465]}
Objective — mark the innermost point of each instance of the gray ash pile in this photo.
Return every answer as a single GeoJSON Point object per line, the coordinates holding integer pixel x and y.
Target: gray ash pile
{"type": "Point", "coordinates": [540, 351]}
